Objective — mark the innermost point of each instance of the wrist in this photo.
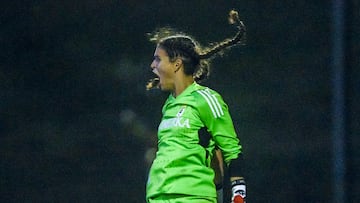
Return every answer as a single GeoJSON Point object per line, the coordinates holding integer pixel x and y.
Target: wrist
{"type": "Point", "coordinates": [236, 178]}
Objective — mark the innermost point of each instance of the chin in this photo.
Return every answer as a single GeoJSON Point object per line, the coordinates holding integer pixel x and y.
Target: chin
{"type": "Point", "coordinates": [162, 88]}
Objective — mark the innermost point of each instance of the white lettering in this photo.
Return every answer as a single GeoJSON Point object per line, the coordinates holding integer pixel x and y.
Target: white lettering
{"type": "Point", "coordinates": [174, 122]}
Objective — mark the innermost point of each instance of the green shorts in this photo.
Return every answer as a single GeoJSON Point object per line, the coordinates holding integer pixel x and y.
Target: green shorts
{"type": "Point", "coordinates": [178, 198]}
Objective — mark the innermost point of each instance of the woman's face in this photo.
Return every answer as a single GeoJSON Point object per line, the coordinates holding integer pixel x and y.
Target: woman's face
{"type": "Point", "coordinates": [164, 69]}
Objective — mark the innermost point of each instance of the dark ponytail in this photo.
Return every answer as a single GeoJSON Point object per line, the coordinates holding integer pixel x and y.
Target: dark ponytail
{"type": "Point", "coordinates": [237, 39]}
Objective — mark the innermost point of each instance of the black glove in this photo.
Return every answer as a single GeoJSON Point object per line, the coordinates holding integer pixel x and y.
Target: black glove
{"type": "Point", "coordinates": [238, 189]}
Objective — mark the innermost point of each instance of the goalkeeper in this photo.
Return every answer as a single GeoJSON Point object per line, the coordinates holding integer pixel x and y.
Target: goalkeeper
{"type": "Point", "coordinates": [196, 121]}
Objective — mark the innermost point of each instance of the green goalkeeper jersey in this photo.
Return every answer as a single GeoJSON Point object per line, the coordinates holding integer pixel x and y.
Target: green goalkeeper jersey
{"type": "Point", "coordinates": [182, 163]}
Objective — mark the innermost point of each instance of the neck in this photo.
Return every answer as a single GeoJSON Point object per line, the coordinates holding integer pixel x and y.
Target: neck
{"type": "Point", "coordinates": [182, 84]}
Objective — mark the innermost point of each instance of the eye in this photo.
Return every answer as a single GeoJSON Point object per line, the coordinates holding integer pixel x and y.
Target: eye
{"type": "Point", "coordinates": [156, 58]}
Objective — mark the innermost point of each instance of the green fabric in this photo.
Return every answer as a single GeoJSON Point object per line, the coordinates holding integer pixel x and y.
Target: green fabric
{"type": "Point", "coordinates": [181, 165]}
{"type": "Point", "coordinates": [175, 198]}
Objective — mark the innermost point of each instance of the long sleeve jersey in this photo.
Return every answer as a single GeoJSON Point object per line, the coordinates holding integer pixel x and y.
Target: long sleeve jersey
{"type": "Point", "coordinates": [182, 163]}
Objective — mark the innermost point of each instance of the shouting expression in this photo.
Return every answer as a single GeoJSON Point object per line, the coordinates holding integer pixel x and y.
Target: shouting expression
{"type": "Point", "coordinates": [164, 69]}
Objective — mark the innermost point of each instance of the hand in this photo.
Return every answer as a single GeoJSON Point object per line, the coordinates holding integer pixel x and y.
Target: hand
{"type": "Point", "coordinates": [238, 189]}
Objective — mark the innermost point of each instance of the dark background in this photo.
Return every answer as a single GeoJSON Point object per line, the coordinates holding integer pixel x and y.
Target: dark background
{"type": "Point", "coordinates": [75, 119]}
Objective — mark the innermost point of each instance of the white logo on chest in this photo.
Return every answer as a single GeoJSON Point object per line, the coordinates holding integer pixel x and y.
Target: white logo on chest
{"type": "Point", "coordinates": [178, 121]}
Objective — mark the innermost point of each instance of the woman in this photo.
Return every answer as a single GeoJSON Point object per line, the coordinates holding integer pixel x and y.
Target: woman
{"type": "Point", "coordinates": [195, 123]}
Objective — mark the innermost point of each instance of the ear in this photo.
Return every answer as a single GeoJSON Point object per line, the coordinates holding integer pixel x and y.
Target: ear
{"type": "Point", "coordinates": [178, 63]}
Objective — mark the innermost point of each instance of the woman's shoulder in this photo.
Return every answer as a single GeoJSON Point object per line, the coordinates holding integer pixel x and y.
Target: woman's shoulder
{"type": "Point", "coordinates": [208, 102]}
{"type": "Point", "coordinates": [204, 92]}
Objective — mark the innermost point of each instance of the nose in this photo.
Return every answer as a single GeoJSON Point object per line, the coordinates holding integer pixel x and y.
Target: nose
{"type": "Point", "coordinates": [152, 65]}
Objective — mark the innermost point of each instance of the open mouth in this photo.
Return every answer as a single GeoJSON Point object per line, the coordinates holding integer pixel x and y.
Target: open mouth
{"type": "Point", "coordinates": [153, 84]}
